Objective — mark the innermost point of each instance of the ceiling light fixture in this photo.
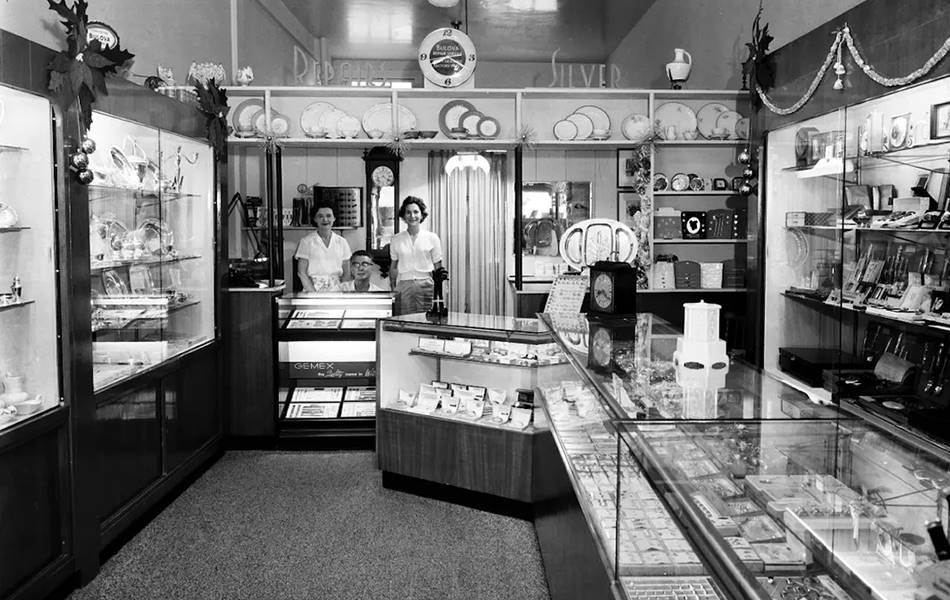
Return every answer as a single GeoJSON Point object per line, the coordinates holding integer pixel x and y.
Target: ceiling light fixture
{"type": "Point", "coordinates": [444, 3]}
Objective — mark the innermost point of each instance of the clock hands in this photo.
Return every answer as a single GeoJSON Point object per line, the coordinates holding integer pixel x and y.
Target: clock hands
{"type": "Point", "coordinates": [451, 57]}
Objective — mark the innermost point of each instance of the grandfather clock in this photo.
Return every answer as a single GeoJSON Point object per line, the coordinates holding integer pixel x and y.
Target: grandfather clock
{"type": "Point", "coordinates": [382, 202]}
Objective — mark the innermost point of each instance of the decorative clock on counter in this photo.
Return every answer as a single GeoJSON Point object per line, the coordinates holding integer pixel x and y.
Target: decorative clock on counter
{"type": "Point", "coordinates": [447, 57]}
{"type": "Point", "coordinates": [613, 288]}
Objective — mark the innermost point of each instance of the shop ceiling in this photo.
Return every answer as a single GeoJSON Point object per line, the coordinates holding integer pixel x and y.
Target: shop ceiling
{"type": "Point", "coordinates": [503, 30]}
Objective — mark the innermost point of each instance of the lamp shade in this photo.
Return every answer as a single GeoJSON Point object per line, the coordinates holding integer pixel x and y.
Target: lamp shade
{"type": "Point", "coordinates": [467, 160]}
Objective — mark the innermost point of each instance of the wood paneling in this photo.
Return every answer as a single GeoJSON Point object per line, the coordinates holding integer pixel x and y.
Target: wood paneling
{"type": "Point", "coordinates": [191, 412]}
{"type": "Point", "coordinates": [130, 447]}
{"type": "Point", "coordinates": [464, 455]}
{"type": "Point", "coordinates": [32, 528]}
{"type": "Point", "coordinates": [249, 361]}
{"type": "Point", "coordinates": [569, 551]}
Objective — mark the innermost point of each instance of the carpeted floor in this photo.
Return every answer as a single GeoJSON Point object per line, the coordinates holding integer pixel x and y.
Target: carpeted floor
{"type": "Point", "coordinates": [318, 525]}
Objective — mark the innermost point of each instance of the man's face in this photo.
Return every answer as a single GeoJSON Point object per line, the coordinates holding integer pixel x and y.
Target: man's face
{"type": "Point", "coordinates": [361, 267]}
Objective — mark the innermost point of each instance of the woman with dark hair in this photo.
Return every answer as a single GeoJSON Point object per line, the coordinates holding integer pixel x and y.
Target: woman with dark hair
{"type": "Point", "coordinates": [323, 256]}
{"type": "Point", "coordinates": [415, 253]}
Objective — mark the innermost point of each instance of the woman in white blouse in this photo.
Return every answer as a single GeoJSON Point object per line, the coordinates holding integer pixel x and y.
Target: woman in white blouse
{"type": "Point", "coordinates": [415, 254]}
{"type": "Point", "coordinates": [323, 256]}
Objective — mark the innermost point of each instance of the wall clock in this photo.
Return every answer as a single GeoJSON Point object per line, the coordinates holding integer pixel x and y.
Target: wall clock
{"type": "Point", "coordinates": [447, 57]}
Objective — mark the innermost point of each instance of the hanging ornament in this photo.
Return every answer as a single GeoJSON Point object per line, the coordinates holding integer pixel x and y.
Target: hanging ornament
{"type": "Point", "coordinates": [748, 173]}
{"type": "Point", "coordinates": [839, 70]}
{"type": "Point", "coordinates": [745, 189]}
{"type": "Point", "coordinates": [86, 177]}
{"type": "Point", "coordinates": [79, 160]}
{"type": "Point", "coordinates": [745, 157]}
{"type": "Point", "coordinates": [88, 145]}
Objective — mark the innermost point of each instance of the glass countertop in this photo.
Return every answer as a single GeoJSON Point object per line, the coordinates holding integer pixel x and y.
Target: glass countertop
{"type": "Point", "coordinates": [490, 326]}
{"type": "Point", "coordinates": [629, 363]}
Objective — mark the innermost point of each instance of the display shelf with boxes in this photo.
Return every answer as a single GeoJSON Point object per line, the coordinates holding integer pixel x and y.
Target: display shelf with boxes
{"type": "Point", "coordinates": [461, 387]}
{"type": "Point", "coordinates": [326, 354]}
{"type": "Point", "coordinates": [151, 247]}
{"type": "Point", "coordinates": [860, 264]}
{"type": "Point", "coordinates": [30, 383]}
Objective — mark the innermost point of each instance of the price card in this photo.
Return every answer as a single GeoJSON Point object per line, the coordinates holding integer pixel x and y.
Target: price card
{"type": "Point", "coordinates": [458, 347]}
{"type": "Point", "coordinates": [521, 417]}
{"type": "Point", "coordinates": [431, 344]}
{"type": "Point", "coordinates": [427, 405]}
{"type": "Point", "coordinates": [406, 398]}
{"type": "Point", "coordinates": [496, 396]}
{"type": "Point", "coordinates": [501, 414]}
{"type": "Point", "coordinates": [450, 405]}
{"type": "Point", "coordinates": [474, 409]}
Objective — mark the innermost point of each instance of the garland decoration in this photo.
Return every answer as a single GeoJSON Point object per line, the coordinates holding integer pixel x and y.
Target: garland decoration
{"type": "Point", "coordinates": [213, 104]}
{"type": "Point", "coordinates": [78, 73]}
{"type": "Point", "coordinates": [845, 39]}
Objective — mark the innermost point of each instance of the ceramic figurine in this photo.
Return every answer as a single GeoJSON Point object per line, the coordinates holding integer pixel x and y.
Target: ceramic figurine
{"type": "Point", "coordinates": [245, 75]}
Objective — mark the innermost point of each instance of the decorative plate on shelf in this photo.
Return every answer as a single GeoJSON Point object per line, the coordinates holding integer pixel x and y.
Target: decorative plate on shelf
{"type": "Point", "coordinates": [330, 122]}
{"type": "Point", "coordinates": [598, 117]}
{"type": "Point", "coordinates": [242, 113]}
{"type": "Point", "coordinates": [636, 128]}
{"type": "Point", "coordinates": [742, 128]}
{"type": "Point", "coordinates": [728, 121]}
{"type": "Point", "coordinates": [469, 122]}
{"type": "Point", "coordinates": [585, 127]}
{"type": "Point", "coordinates": [564, 130]}
{"type": "Point", "coordinates": [898, 133]}
{"type": "Point", "coordinates": [696, 183]}
{"type": "Point", "coordinates": [488, 128]}
{"type": "Point", "coordinates": [310, 117]}
{"type": "Point", "coordinates": [676, 115]}
{"type": "Point", "coordinates": [660, 182]}
{"type": "Point", "coordinates": [451, 114]}
{"type": "Point", "coordinates": [707, 116]}
{"type": "Point", "coordinates": [680, 182]}
{"type": "Point", "coordinates": [349, 126]}
{"type": "Point", "coordinates": [379, 117]}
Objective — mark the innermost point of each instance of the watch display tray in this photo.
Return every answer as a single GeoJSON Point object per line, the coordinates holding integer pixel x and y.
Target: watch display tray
{"type": "Point", "coordinates": [809, 364]}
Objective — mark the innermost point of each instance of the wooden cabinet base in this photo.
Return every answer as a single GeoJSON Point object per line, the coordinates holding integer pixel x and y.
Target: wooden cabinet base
{"type": "Point", "coordinates": [463, 455]}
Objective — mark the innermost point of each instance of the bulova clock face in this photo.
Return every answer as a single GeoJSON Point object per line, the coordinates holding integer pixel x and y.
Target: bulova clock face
{"type": "Point", "coordinates": [603, 295]}
{"type": "Point", "coordinates": [447, 57]}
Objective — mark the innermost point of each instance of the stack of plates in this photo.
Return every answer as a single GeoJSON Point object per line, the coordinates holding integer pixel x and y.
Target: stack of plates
{"type": "Point", "coordinates": [586, 123]}
{"type": "Point", "coordinates": [461, 114]}
{"type": "Point", "coordinates": [379, 119]}
{"type": "Point", "coordinates": [249, 119]}
{"type": "Point", "coordinates": [322, 119]}
{"type": "Point", "coordinates": [716, 121]}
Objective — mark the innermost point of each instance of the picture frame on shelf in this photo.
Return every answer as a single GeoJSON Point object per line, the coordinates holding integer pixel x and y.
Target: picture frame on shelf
{"type": "Point", "coordinates": [629, 208]}
{"type": "Point", "coordinates": [940, 121]}
{"type": "Point", "coordinates": [633, 168]}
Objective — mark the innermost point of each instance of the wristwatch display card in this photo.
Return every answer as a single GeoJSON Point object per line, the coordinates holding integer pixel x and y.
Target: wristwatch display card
{"type": "Point", "coordinates": [496, 396]}
{"type": "Point", "coordinates": [474, 409]}
{"type": "Point", "coordinates": [358, 409]}
{"type": "Point", "coordinates": [313, 394]}
{"type": "Point", "coordinates": [521, 417]}
{"type": "Point", "coordinates": [760, 528]}
{"type": "Point", "coordinates": [318, 314]}
{"type": "Point", "coordinates": [315, 410]}
{"type": "Point", "coordinates": [360, 394]}
{"type": "Point", "coordinates": [358, 324]}
{"type": "Point", "coordinates": [426, 405]}
{"type": "Point", "coordinates": [779, 555]}
{"type": "Point", "coordinates": [406, 398]}
{"type": "Point", "coordinates": [313, 324]}
{"type": "Point", "coordinates": [431, 344]}
{"type": "Point", "coordinates": [450, 405]}
{"type": "Point", "coordinates": [366, 313]}
{"type": "Point", "coordinates": [458, 348]}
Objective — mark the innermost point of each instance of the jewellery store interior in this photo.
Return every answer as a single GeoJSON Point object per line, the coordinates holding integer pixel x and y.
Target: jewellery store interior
{"type": "Point", "coordinates": [670, 292]}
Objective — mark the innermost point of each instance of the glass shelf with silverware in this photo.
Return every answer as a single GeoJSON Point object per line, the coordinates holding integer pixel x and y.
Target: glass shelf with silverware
{"type": "Point", "coordinates": [29, 353]}
{"type": "Point", "coordinates": [859, 276]}
{"type": "Point", "coordinates": [151, 236]}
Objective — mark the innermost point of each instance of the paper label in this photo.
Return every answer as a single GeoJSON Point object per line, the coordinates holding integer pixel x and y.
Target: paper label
{"type": "Point", "coordinates": [458, 348]}
{"type": "Point", "coordinates": [431, 344]}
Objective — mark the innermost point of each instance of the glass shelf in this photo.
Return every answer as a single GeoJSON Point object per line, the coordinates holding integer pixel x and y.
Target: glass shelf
{"type": "Point", "coordinates": [12, 229]}
{"type": "Point", "coordinates": [20, 304]}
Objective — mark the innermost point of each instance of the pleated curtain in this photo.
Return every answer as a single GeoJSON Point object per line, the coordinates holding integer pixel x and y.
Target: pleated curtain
{"type": "Point", "coordinates": [468, 214]}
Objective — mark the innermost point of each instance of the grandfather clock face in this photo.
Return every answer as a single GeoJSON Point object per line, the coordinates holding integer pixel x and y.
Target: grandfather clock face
{"type": "Point", "coordinates": [382, 193]}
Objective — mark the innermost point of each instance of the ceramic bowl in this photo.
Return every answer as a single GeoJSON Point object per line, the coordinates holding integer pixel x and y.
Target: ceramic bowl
{"type": "Point", "coordinates": [458, 132]}
{"type": "Point", "coordinates": [719, 133]}
{"type": "Point", "coordinates": [29, 407]}
{"type": "Point", "coordinates": [410, 134]}
{"type": "Point", "coordinates": [375, 133]}
{"type": "Point", "coordinates": [428, 134]}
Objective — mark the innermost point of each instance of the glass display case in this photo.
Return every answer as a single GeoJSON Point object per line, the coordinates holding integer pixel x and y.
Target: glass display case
{"type": "Point", "coordinates": [152, 242]}
{"type": "Point", "coordinates": [326, 347]}
{"type": "Point", "coordinates": [740, 486]}
{"type": "Point", "coordinates": [858, 275]}
{"type": "Point", "coordinates": [29, 350]}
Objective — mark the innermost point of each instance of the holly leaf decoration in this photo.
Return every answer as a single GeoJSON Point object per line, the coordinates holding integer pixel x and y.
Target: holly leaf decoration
{"type": "Point", "coordinates": [79, 71]}
{"type": "Point", "coordinates": [213, 103]}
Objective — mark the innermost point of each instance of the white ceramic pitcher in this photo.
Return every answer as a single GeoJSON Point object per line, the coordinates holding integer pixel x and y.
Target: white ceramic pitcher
{"type": "Point", "coordinates": [678, 70]}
